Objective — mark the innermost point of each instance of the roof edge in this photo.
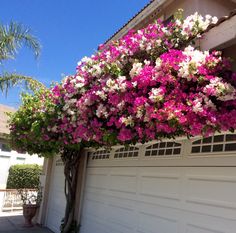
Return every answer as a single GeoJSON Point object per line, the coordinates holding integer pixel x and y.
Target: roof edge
{"type": "Point", "coordinates": [136, 19]}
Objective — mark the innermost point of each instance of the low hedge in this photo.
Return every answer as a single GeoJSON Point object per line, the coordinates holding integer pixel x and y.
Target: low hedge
{"type": "Point", "coordinates": [24, 176]}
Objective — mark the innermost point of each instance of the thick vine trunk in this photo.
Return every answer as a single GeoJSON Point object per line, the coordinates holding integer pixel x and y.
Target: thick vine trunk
{"type": "Point", "coordinates": [71, 160]}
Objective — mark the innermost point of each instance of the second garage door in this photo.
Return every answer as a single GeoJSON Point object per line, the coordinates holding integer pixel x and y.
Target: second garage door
{"type": "Point", "coordinates": [57, 200]}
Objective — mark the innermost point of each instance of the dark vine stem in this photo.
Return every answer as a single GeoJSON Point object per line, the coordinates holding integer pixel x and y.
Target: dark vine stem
{"type": "Point", "coordinates": [71, 160]}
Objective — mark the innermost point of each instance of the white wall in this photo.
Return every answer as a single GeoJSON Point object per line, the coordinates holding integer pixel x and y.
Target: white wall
{"type": "Point", "coordinates": [7, 159]}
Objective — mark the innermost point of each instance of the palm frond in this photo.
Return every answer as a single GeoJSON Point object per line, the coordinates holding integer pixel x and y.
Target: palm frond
{"type": "Point", "coordinates": [9, 80]}
{"type": "Point", "coordinates": [14, 36]}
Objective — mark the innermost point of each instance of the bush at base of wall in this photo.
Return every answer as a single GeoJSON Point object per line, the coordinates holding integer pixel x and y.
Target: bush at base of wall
{"type": "Point", "coordinates": [24, 176]}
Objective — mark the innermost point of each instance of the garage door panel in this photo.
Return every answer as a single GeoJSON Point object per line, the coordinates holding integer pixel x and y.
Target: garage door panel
{"type": "Point", "coordinates": [116, 227]}
{"type": "Point", "coordinates": [211, 192]}
{"type": "Point", "coordinates": [58, 212]}
{"type": "Point", "coordinates": [95, 207]}
{"type": "Point", "coordinates": [213, 187]}
{"type": "Point", "coordinates": [97, 181]}
{"type": "Point", "coordinates": [112, 207]}
{"type": "Point", "coordinates": [161, 199]}
{"type": "Point", "coordinates": [119, 228]}
{"type": "Point", "coordinates": [122, 194]}
{"type": "Point", "coordinates": [96, 196]}
{"type": "Point", "coordinates": [98, 225]}
{"type": "Point", "coordinates": [210, 224]}
{"type": "Point", "coordinates": [123, 183]}
{"type": "Point", "coordinates": [159, 210]}
{"type": "Point", "coordinates": [121, 219]}
{"type": "Point", "coordinates": [55, 220]}
{"type": "Point", "coordinates": [98, 191]}
{"type": "Point", "coordinates": [160, 215]}
{"type": "Point", "coordinates": [213, 212]}
{"type": "Point", "coordinates": [120, 201]}
{"type": "Point", "coordinates": [57, 201]}
{"type": "Point", "coordinates": [154, 223]}
{"type": "Point", "coordinates": [191, 228]}
{"type": "Point", "coordinates": [160, 187]}
{"type": "Point", "coordinates": [117, 210]}
{"type": "Point", "coordinates": [116, 221]}
{"type": "Point", "coordinates": [211, 208]}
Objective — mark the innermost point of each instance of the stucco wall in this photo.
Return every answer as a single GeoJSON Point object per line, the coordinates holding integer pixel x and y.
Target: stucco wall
{"type": "Point", "coordinates": [217, 8]}
{"type": "Point", "coordinates": [231, 52]}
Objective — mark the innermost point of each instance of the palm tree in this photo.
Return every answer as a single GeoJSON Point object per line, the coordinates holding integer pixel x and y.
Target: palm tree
{"type": "Point", "coordinates": [12, 38]}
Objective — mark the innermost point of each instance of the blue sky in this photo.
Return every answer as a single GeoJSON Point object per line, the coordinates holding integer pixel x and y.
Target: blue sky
{"type": "Point", "coordinates": [67, 29]}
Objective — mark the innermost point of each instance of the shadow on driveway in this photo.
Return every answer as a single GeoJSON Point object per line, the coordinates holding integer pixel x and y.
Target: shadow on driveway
{"type": "Point", "coordinates": [14, 223]}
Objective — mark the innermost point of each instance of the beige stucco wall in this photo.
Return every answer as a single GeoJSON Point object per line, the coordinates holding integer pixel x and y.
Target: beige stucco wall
{"type": "Point", "coordinates": [4, 118]}
{"type": "Point", "coordinates": [189, 7]}
{"type": "Point", "coordinates": [217, 8]}
{"type": "Point", "coordinates": [231, 52]}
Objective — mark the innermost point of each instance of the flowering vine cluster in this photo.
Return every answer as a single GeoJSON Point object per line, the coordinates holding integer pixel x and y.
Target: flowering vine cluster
{"type": "Point", "coordinates": [147, 85]}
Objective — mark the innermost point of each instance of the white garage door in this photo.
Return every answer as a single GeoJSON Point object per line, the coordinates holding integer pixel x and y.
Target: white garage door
{"type": "Point", "coordinates": [57, 201]}
{"type": "Point", "coordinates": [166, 187]}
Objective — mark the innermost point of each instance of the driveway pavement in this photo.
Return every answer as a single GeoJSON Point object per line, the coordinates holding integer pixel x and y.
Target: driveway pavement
{"type": "Point", "coordinates": [14, 223]}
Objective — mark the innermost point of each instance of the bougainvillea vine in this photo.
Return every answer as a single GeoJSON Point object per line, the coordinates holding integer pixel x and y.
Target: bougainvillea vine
{"type": "Point", "coordinates": [148, 85]}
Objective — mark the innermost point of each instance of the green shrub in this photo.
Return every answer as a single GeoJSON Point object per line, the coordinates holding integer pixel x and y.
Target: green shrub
{"type": "Point", "coordinates": [24, 176]}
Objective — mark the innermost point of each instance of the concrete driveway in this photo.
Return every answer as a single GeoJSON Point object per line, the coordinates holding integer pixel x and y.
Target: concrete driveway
{"type": "Point", "coordinates": [13, 223]}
